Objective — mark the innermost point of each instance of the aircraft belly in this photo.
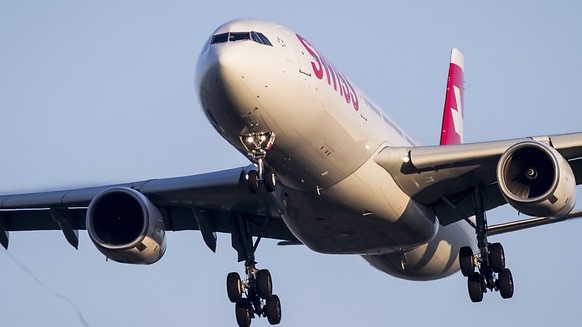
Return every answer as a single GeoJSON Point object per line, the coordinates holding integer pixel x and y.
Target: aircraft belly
{"type": "Point", "coordinates": [366, 213]}
{"type": "Point", "coordinates": [433, 260]}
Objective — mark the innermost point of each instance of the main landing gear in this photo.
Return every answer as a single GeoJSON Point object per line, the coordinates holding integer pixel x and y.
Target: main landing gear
{"type": "Point", "coordinates": [259, 299]}
{"type": "Point", "coordinates": [257, 145]}
{"type": "Point", "coordinates": [491, 272]}
{"type": "Point", "coordinates": [253, 296]}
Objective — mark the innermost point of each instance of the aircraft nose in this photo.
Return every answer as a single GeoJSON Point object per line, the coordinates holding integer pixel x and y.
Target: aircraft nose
{"type": "Point", "coordinates": [226, 78]}
{"type": "Point", "coordinates": [225, 58]}
{"type": "Point", "coordinates": [222, 66]}
{"type": "Point", "coordinates": [207, 67]}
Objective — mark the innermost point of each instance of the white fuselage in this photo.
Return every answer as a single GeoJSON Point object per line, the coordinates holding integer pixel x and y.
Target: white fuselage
{"type": "Point", "coordinates": [336, 199]}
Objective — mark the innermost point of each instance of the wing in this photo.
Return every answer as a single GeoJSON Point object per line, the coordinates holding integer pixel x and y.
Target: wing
{"type": "Point", "coordinates": [445, 177]}
{"type": "Point", "coordinates": [207, 202]}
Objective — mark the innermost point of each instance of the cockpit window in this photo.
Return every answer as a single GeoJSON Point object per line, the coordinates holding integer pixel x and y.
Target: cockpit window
{"type": "Point", "coordinates": [241, 36]}
{"type": "Point", "coordinates": [255, 37]}
{"type": "Point", "coordinates": [260, 38]}
{"type": "Point", "coordinates": [219, 38]}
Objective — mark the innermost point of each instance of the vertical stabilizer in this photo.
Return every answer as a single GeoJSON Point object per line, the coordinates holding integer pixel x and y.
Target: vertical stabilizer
{"type": "Point", "coordinates": [452, 128]}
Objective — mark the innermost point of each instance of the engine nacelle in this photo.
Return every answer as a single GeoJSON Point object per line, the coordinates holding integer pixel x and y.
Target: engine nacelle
{"type": "Point", "coordinates": [536, 180]}
{"type": "Point", "coordinates": [126, 227]}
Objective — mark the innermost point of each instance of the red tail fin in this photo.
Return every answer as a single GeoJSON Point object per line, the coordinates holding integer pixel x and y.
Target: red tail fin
{"type": "Point", "coordinates": [452, 128]}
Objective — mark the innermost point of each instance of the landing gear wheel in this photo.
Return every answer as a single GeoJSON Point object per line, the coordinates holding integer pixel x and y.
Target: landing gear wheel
{"type": "Point", "coordinates": [257, 143]}
{"type": "Point", "coordinates": [270, 180]}
{"type": "Point", "coordinates": [264, 284]}
{"type": "Point", "coordinates": [273, 310]}
{"type": "Point", "coordinates": [255, 292]}
{"type": "Point", "coordinates": [253, 180]}
{"type": "Point", "coordinates": [489, 262]}
{"type": "Point", "coordinates": [497, 257]}
{"type": "Point", "coordinates": [243, 314]}
{"type": "Point", "coordinates": [475, 288]}
{"type": "Point", "coordinates": [505, 284]}
{"type": "Point", "coordinates": [466, 261]}
{"type": "Point", "coordinates": [234, 287]}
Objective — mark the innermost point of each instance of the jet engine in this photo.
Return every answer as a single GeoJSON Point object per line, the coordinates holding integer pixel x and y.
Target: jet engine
{"type": "Point", "coordinates": [536, 180]}
{"type": "Point", "coordinates": [126, 227]}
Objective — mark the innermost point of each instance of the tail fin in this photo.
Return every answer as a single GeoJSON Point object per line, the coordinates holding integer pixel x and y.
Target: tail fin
{"type": "Point", "coordinates": [452, 128]}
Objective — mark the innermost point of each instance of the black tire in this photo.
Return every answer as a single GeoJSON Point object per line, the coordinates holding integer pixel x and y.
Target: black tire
{"type": "Point", "coordinates": [242, 310]}
{"type": "Point", "coordinates": [274, 310]}
{"type": "Point", "coordinates": [253, 181]}
{"type": "Point", "coordinates": [466, 261]}
{"type": "Point", "coordinates": [475, 287]}
{"type": "Point", "coordinates": [496, 257]}
{"type": "Point", "coordinates": [270, 180]}
{"type": "Point", "coordinates": [505, 280]}
{"type": "Point", "coordinates": [264, 284]}
{"type": "Point", "coordinates": [234, 287]}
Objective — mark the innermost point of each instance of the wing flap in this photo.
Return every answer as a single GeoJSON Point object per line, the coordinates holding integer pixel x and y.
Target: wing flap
{"type": "Point", "coordinates": [38, 219]}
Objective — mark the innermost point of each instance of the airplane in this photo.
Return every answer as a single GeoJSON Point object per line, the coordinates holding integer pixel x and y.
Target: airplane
{"type": "Point", "coordinates": [330, 170]}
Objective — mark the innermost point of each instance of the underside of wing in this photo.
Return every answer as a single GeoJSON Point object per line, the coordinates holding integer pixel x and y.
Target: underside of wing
{"type": "Point", "coordinates": [536, 175]}
{"type": "Point", "coordinates": [210, 202]}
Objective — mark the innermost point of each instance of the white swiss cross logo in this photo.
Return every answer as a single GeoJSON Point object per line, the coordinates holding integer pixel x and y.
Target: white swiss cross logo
{"type": "Point", "coordinates": [457, 114]}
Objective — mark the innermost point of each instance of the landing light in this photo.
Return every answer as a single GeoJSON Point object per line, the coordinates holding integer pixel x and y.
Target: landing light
{"type": "Point", "coordinates": [406, 159]}
{"type": "Point", "coordinates": [257, 143]}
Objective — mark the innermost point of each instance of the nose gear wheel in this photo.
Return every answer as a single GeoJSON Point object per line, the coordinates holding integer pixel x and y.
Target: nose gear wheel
{"type": "Point", "coordinates": [257, 144]}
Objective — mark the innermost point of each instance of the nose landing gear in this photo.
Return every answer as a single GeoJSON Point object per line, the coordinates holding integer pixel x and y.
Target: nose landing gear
{"type": "Point", "coordinates": [257, 144]}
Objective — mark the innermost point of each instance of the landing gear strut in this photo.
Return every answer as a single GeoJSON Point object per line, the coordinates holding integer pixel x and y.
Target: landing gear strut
{"type": "Point", "coordinates": [491, 272]}
{"type": "Point", "coordinates": [253, 296]}
{"type": "Point", "coordinates": [257, 144]}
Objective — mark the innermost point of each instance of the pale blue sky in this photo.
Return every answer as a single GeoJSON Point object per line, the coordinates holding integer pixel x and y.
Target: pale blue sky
{"type": "Point", "coordinates": [100, 92]}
